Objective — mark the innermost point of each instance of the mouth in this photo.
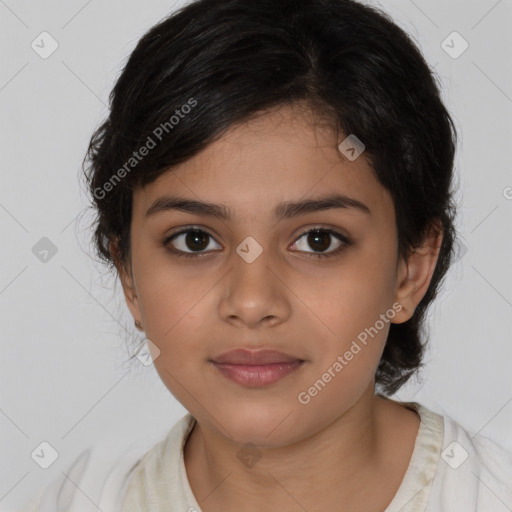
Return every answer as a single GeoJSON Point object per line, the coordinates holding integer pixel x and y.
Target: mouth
{"type": "Point", "coordinates": [256, 368]}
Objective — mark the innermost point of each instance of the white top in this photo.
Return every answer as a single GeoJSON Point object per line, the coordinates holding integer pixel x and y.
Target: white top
{"type": "Point", "coordinates": [448, 472]}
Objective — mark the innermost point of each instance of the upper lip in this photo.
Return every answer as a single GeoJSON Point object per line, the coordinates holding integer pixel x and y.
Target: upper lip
{"type": "Point", "coordinates": [254, 357]}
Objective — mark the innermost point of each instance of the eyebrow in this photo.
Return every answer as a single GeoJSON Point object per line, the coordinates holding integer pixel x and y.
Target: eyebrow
{"type": "Point", "coordinates": [285, 210]}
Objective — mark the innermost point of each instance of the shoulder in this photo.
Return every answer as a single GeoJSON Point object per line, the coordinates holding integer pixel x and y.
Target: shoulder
{"type": "Point", "coordinates": [473, 473]}
{"type": "Point", "coordinates": [93, 481]}
{"type": "Point", "coordinates": [97, 480]}
{"type": "Point", "coordinates": [494, 470]}
{"type": "Point", "coordinates": [160, 477]}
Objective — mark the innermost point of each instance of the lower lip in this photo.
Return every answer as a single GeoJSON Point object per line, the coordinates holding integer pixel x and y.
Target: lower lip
{"type": "Point", "coordinates": [255, 376]}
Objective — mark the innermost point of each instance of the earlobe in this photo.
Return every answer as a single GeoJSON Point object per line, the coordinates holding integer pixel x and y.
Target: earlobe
{"type": "Point", "coordinates": [127, 283]}
{"type": "Point", "coordinates": [415, 274]}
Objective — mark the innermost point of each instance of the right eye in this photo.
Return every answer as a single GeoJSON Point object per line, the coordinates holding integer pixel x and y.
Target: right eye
{"type": "Point", "coordinates": [191, 238]}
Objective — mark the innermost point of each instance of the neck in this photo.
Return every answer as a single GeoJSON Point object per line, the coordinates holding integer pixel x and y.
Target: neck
{"type": "Point", "coordinates": [334, 465]}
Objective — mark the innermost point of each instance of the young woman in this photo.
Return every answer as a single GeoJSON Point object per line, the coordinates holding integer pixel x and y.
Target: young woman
{"type": "Point", "coordinates": [273, 187]}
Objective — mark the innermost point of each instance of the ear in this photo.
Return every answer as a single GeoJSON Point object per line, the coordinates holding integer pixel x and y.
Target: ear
{"type": "Point", "coordinates": [127, 281]}
{"type": "Point", "coordinates": [414, 274]}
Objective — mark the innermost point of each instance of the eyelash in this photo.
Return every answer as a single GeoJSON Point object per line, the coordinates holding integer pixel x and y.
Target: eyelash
{"type": "Point", "coordinates": [345, 242]}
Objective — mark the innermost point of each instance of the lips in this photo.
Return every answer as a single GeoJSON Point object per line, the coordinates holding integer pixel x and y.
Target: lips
{"type": "Point", "coordinates": [255, 369]}
{"type": "Point", "coordinates": [254, 357]}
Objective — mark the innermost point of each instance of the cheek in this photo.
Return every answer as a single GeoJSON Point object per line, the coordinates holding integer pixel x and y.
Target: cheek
{"type": "Point", "coordinates": [354, 307]}
{"type": "Point", "coordinates": [174, 313]}
{"type": "Point", "coordinates": [170, 293]}
{"type": "Point", "coordinates": [349, 346]}
{"type": "Point", "coordinates": [176, 307]}
{"type": "Point", "coordinates": [352, 298]}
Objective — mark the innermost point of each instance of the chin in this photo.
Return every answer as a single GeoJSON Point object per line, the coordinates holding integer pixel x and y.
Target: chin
{"type": "Point", "coordinates": [266, 428]}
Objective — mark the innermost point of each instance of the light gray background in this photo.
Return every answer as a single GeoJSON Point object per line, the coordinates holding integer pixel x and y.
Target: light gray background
{"type": "Point", "coordinates": [64, 372]}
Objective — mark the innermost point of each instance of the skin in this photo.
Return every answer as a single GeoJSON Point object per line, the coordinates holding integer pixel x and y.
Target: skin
{"type": "Point", "coordinates": [346, 440]}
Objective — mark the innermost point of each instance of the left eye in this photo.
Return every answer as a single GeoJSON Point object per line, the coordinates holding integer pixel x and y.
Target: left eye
{"type": "Point", "coordinates": [320, 240]}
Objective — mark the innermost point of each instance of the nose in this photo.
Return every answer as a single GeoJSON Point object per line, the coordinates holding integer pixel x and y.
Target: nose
{"type": "Point", "coordinates": [255, 293]}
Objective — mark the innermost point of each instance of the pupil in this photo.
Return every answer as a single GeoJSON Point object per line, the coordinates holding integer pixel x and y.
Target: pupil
{"type": "Point", "coordinates": [192, 238]}
{"type": "Point", "coordinates": [315, 235]}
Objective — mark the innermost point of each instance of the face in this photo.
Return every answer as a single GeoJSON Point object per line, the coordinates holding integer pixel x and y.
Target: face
{"type": "Point", "coordinates": [255, 279]}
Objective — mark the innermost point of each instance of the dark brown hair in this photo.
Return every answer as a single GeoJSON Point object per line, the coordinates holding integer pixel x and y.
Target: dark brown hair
{"type": "Point", "coordinates": [214, 63]}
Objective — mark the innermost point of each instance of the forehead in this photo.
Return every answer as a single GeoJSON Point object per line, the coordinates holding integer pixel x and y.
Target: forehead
{"type": "Point", "coordinates": [282, 155]}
